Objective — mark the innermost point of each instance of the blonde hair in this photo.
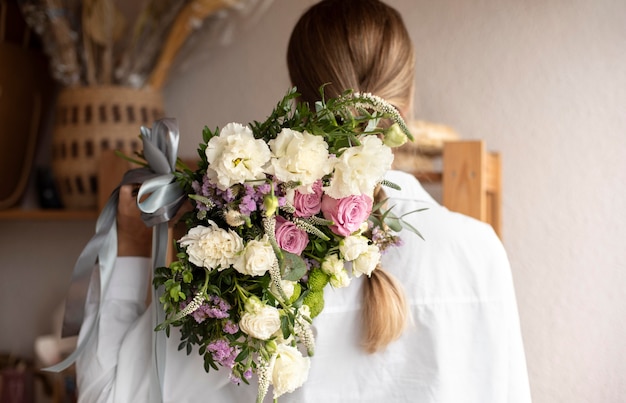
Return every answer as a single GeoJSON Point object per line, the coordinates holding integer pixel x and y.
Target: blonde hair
{"type": "Point", "coordinates": [361, 45]}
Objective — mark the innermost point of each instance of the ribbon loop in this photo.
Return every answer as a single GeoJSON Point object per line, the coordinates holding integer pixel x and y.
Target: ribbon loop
{"type": "Point", "coordinates": [160, 145]}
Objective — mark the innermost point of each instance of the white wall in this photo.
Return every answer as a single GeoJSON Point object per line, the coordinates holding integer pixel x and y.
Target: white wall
{"type": "Point", "coordinates": [542, 81]}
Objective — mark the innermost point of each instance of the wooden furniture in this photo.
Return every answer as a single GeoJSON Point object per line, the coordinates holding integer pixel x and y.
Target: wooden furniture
{"type": "Point", "coordinates": [471, 181]}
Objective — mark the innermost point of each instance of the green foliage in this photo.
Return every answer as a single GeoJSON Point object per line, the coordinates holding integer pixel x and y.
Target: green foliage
{"type": "Point", "coordinates": [315, 301]}
{"type": "Point", "coordinates": [317, 279]}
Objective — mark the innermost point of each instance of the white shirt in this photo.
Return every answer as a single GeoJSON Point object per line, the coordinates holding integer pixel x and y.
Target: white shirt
{"type": "Point", "coordinates": [464, 344]}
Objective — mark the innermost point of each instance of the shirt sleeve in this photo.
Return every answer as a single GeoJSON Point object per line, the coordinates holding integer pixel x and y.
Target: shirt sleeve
{"type": "Point", "coordinates": [122, 308]}
{"type": "Point", "coordinates": [519, 387]}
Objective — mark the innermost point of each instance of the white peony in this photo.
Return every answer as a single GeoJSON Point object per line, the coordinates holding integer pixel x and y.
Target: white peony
{"type": "Point", "coordinates": [235, 156]}
{"type": "Point", "coordinates": [256, 259]}
{"type": "Point", "coordinates": [358, 169]}
{"type": "Point", "coordinates": [212, 247]}
{"type": "Point", "coordinates": [366, 262]}
{"type": "Point", "coordinates": [299, 157]}
{"type": "Point", "coordinates": [351, 247]}
{"type": "Point", "coordinates": [262, 323]}
{"type": "Point", "coordinates": [290, 371]}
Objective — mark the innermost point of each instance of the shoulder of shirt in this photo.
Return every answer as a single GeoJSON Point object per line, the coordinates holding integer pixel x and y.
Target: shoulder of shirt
{"type": "Point", "coordinates": [410, 187]}
{"type": "Point", "coordinates": [452, 223]}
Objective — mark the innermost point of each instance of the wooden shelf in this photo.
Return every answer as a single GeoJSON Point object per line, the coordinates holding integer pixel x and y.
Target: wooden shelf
{"type": "Point", "coordinates": [47, 215]}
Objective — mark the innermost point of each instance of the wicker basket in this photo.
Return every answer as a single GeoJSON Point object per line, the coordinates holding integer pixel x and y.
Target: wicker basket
{"type": "Point", "coordinates": [88, 121]}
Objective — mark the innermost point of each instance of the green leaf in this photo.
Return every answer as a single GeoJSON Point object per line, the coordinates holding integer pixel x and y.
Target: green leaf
{"type": "Point", "coordinates": [394, 223]}
{"type": "Point", "coordinates": [243, 354]}
{"type": "Point", "coordinates": [292, 266]}
{"type": "Point", "coordinates": [284, 326]}
{"type": "Point", "coordinates": [413, 229]}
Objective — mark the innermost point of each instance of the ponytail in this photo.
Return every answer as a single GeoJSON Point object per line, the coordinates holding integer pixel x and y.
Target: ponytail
{"type": "Point", "coordinates": [385, 311]}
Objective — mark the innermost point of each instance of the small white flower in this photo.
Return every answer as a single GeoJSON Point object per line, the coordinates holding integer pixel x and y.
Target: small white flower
{"type": "Point", "coordinates": [212, 246]}
{"type": "Point", "coordinates": [395, 137]}
{"type": "Point", "coordinates": [256, 259]}
{"type": "Point", "coordinates": [358, 169]}
{"type": "Point", "coordinates": [290, 371]}
{"type": "Point", "coordinates": [299, 157]}
{"type": "Point", "coordinates": [351, 247]}
{"type": "Point", "coordinates": [287, 286]}
{"type": "Point", "coordinates": [366, 262]}
{"type": "Point", "coordinates": [262, 323]}
{"type": "Point", "coordinates": [332, 264]}
{"type": "Point", "coordinates": [340, 279]}
{"type": "Point", "coordinates": [235, 156]}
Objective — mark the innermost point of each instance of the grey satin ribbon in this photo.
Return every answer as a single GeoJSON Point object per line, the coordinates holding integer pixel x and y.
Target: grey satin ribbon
{"type": "Point", "coordinates": [161, 196]}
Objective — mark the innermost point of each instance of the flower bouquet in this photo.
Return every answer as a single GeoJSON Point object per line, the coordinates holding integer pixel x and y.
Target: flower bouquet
{"type": "Point", "coordinates": [281, 209]}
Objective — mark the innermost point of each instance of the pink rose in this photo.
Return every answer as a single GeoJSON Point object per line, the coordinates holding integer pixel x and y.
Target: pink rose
{"type": "Point", "coordinates": [308, 204]}
{"type": "Point", "coordinates": [289, 237]}
{"type": "Point", "coordinates": [347, 213]}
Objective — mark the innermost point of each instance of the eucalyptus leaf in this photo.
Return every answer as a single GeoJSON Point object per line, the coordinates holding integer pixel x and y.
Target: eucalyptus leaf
{"type": "Point", "coordinates": [394, 223]}
{"type": "Point", "coordinates": [292, 267]}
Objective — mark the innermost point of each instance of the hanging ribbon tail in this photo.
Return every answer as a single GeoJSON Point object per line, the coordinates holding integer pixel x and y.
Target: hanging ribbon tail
{"type": "Point", "coordinates": [160, 197]}
{"type": "Point", "coordinates": [83, 269]}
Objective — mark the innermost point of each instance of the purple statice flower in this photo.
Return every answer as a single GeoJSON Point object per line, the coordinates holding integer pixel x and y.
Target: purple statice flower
{"type": "Point", "coordinates": [263, 189]}
{"type": "Point", "coordinates": [215, 308]}
{"type": "Point", "coordinates": [234, 379]}
{"type": "Point", "coordinates": [227, 195]}
{"type": "Point", "coordinates": [230, 327]}
{"type": "Point", "coordinates": [223, 353]}
{"type": "Point", "coordinates": [247, 205]}
{"type": "Point", "coordinates": [253, 198]}
{"type": "Point", "coordinates": [210, 190]}
{"type": "Point", "coordinates": [385, 239]}
{"type": "Point", "coordinates": [248, 373]}
{"type": "Point", "coordinates": [377, 234]}
{"type": "Point", "coordinates": [220, 303]}
{"type": "Point", "coordinates": [398, 241]}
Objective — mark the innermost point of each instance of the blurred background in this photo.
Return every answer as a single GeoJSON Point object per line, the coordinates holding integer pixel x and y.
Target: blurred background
{"type": "Point", "coordinates": [542, 82]}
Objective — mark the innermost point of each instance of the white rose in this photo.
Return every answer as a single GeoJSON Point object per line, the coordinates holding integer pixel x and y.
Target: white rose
{"type": "Point", "coordinates": [235, 156]}
{"type": "Point", "coordinates": [287, 286]}
{"type": "Point", "coordinates": [262, 323]}
{"type": "Point", "coordinates": [291, 370]}
{"type": "Point", "coordinates": [332, 264]}
{"type": "Point", "coordinates": [299, 157]}
{"type": "Point", "coordinates": [351, 247]}
{"type": "Point", "coordinates": [257, 258]}
{"type": "Point", "coordinates": [366, 262]}
{"type": "Point", "coordinates": [212, 247]}
{"type": "Point", "coordinates": [358, 169]}
{"type": "Point", "coordinates": [340, 279]}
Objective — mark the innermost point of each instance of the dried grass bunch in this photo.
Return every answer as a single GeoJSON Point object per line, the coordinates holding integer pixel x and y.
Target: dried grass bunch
{"type": "Point", "coordinates": [109, 42]}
